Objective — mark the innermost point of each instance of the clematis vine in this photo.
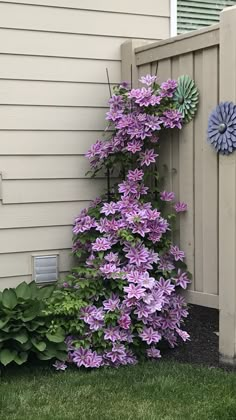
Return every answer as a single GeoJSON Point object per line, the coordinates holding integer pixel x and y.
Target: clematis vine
{"type": "Point", "coordinates": [129, 272]}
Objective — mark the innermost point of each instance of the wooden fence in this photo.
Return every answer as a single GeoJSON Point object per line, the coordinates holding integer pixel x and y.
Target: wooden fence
{"type": "Point", "coordinates": [193, 170]}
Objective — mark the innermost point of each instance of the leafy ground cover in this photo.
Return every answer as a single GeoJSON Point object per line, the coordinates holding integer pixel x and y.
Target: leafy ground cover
{"type": "Point", "coordinates": [159, 390]}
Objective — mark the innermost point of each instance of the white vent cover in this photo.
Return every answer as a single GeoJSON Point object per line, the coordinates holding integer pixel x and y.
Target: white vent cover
{"type": "Point", "coordinates": [45, 268]}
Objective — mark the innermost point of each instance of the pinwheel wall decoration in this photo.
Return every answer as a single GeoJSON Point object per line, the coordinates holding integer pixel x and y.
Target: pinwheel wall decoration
{"type": "Point", "coordinates": [222, 128]}
{"type": "Point", "coordinates": [186, 96]}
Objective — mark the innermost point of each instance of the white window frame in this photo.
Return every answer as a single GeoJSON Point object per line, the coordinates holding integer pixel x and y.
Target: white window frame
{"type": "Point", "coordinates": [173, 18]}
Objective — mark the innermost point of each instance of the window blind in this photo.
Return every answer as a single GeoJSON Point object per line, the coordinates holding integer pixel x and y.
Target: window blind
{"type": "Point", "coordinates": [196, 14]}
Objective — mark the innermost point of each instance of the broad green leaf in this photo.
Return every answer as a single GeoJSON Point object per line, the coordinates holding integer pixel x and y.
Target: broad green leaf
{"type": "Point", "coordinates": [61, 355]}
{"type": "Point", "coordinates": [34, 289]}
{"type": "Point", "coordinates": [3, 322]}
{"type": "Point", "coordinates": [4, 336]}
{"type": "Point", "coordinates": [20, 336]}
{"type": "Point", "coordinates": [45, 292]}
{"type": "Point", "coordinates": [61, 346]}
{"type": "Point", "coordinates": [57, 337]}
{"type": "Point", "coordinates": [44, 356]}
{"type": "Point", "coordinates": [7, 356]}
{"type": "Point", "coordinates": [34, 325]}
{"type": "Point", "coordinates": [26, 346]}
{"type": "Point", "coordinates": [21, 358]}
{"type": "Point", "coordinates": [39, 345]}
{"type": "Point", "coordinates": [9, 298]}
{"type": "Point", "coordinates": [31, 312]}
{"type": "Point", "coordinates": [23, 291]}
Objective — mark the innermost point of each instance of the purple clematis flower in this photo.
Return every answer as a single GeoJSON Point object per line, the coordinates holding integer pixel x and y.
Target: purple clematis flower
{"type": "Point", "coordinates": [179, 207]}
{"type": "Point", "coordinates": [177, 254]}
{"type": "Point", "coordinates": [167, 196]}
{"type": "Point", "coordinates": [150, 336]}
{"type": "Point", "coordinates": [148, 157]}
{"type": "Point", "coordinates": [101, 244]}
{"type": "Point", "coordinates": [58, 365]}
{"type": "Point", "coordinates": [148, 79]}
{"type": "Point", "coordinates": [153, 353]}
{"type": "Point", "coordinates": [133, 291]}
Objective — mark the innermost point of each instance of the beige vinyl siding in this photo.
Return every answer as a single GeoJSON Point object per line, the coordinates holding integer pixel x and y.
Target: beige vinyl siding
{"type": "Point", "coordinates": [149, 7]}
{"type": "Point", "coordinates": [53, 99]}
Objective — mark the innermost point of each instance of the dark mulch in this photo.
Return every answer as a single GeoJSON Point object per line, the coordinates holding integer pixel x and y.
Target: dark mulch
{"type": "Point", "coordinates": [202, 324]}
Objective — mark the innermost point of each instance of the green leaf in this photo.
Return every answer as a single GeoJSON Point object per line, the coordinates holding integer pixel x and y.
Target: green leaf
{"type": "Point", "coordinates": [45, 292]}
{"type": "Point", "coordinates": [3, 322]}
{"type": "Point", "coordinates": [31, 312]}
{"type": "Point", "coordinates": [34, 289]}
{"type": "Point", "coordinates": [26, 346]}
{"type": "Point", "coordinates": [21, 358]}
{"type": "Point", "coordinates": [23, 291]}
{"type": "Point", "coordinates": [7, 356]}
{"type": "Point", "coordinates": [57, 337]}
{"type": "Point", "coordinates": [9, 298]}
{"type": "Point", "coordinates": [20, 336]}
{"type": "Point", "coordinates": [39, 345]}
{"type": "Point", "coordinates": [44, 356]}
{"type": "Point", "coordinates": [61, 355]}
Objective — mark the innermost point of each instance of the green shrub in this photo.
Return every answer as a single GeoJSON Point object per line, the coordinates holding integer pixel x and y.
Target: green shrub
{"type": "Point", "coordinates": [25, 328]}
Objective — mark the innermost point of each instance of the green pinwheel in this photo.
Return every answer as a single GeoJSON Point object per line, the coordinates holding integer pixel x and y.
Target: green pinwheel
{"type": "Point", "coordinates": [186, 97]}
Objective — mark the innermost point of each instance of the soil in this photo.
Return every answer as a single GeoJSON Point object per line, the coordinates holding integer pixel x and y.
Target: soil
{"type": "Point", "coordinates": [203, 325]}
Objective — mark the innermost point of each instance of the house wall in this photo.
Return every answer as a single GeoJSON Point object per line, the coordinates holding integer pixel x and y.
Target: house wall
{"type": "Point", "coordinates": [53, 96]}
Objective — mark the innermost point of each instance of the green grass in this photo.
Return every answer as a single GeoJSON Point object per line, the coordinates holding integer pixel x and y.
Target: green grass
{"type": "Point", "coordinates": [149, 391]}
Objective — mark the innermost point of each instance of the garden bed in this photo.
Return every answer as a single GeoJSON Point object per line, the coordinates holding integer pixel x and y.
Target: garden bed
{"type": "Point", "coordinates": [202, 325]}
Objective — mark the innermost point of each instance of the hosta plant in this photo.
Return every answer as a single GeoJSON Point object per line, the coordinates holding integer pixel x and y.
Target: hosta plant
{"type": "Point", "coordinates": [24, 327]}
{"type": "Point", "coordinates": [129, 270]}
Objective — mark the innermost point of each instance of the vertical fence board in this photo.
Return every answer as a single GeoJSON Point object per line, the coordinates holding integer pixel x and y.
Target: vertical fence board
{"type": "Point", "coordinates": [165, 158]}
{"type": "Point", "coordinates": [227, 197]}
{"type": "Point", "coordinates": [200, 135]}
{"type": "Point", "coordinates": [210, 176]}
{"type": "Point", "coordinates": [186, 184]}
{"type": "Point", "coordinates": [175, 154]}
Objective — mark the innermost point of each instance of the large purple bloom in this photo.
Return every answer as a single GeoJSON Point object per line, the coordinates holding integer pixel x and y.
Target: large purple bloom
{"type": "Point", "coordinates": [150, 336]}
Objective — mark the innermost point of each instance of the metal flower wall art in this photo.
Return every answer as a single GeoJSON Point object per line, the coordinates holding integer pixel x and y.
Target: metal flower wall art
{"type": "Point", "coordinates": [222, 128]}
{"type": "Point", "coordinates": [187, 97]}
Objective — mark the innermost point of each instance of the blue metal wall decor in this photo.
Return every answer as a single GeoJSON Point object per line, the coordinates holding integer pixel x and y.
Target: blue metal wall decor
{"type": "Point", "coordinates": [186, 97]}
{"type": "Point", "coordinates": [221, 130]}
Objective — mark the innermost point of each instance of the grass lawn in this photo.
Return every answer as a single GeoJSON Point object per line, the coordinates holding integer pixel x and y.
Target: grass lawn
{"type": "Point", "coordinates": [159, 390]}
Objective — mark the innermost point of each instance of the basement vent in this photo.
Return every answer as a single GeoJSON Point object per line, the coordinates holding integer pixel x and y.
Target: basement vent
{"type": "Point", "coordinates": [45, 268]}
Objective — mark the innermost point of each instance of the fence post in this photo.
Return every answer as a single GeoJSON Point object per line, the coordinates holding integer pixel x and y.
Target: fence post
{"type": "Point", "coordinates": [128, 59]}
{"type": "Point", "coordinates": [227, 196]}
